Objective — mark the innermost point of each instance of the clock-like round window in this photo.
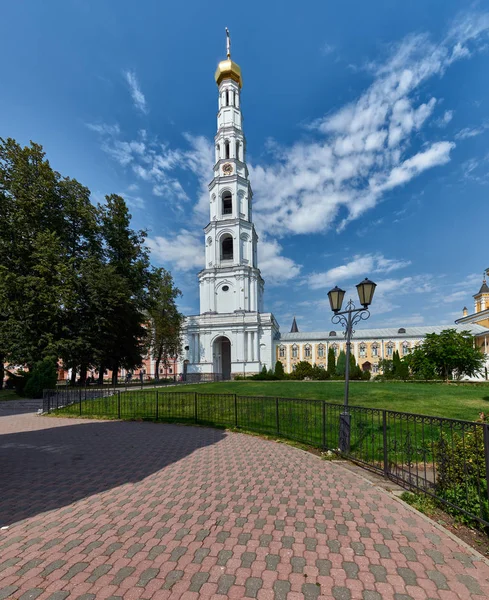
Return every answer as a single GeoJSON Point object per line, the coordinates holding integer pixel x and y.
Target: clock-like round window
{"type": "Point", "coordinates": [225, 288]}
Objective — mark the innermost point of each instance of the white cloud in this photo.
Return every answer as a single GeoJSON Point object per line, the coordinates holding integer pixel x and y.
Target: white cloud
{"type": "Point", "coordinates": [362, 150]}
{"type": "Point", "coordinates": [327, 49]}
{"type": "Point", "coordinates": [468, 132]}
{"type": "Point", "coordinates": [445, 118]}
{"type": "Point", "coordinates": [136, 93]}
{"type": "Point", "coordinates": [183, 250]}
{"type": "Point", "coordinates": [360, 266]}
{"type": "Point", "coordinates": [276, 269]}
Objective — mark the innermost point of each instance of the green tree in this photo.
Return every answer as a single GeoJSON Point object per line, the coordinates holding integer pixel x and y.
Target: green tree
{"type": "Point", "coordinates": [341, 364]}
{"type": "Point", "coordinates": [166, 321]}
{"type": "Point", "coordinates": [452, 352]}
{"type": "Point", "coordinates": [331, 362]}
{"type": "Point", "coordinates": [279, 370]}
{"type": "Point", "coordinates": [32, 265]}
{"type": "Point", "coordinates": [386, 365]}
{"type": "Point", "coordinates": [420, 365]}
{"type": "Point", "coordinates": [43, 376]}
{"type": "Point", "coordinates": [127, 255]}
{"type": "Point", "coordinates": [302, 369]}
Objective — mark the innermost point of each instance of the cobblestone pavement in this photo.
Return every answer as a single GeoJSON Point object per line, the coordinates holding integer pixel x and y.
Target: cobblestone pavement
{"type": "Point", "coordinates": [151, 511]}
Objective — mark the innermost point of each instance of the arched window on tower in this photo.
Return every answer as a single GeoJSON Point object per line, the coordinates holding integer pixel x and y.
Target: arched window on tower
{"type": "Point", "coordinates": [227, 247]}
{"type": "Point", "coordinates": [227, 97]}
{"type": "Point", "coordinates": [234, 98]}
{"type": "Point", "coordinates": [218, 153]}
{"type": "Point", "coordinates": [226, 148]}
{"type": "Point", "coordinates": [237, 150]}
{"type": "Point", "coordinates": [227, 203]}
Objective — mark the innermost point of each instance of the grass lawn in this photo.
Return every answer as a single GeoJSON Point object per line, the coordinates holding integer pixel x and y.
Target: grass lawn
{"type": "Point", "coordinates": [463, 401]}
{"type": "Point", "coordinates": [9, 395]}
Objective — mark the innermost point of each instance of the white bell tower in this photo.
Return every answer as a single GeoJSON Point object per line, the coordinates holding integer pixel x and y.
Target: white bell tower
{"type": "Point", "coordinates": [231, 280]}
{"type": "Point", "coordinates": [231, 335]}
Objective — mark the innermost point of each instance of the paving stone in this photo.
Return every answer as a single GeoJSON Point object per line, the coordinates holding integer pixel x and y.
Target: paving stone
{"type": "Point", "coordinates": [247, 559]}
{"type": "Point", "coordinates": [224, 584]}
{"type": "Point", "coordinates": [7, 592]}
{"type": "Point", "coordinates": [133, 550]}
{"type": "Point", "coordinates": [439, 579]}
{"type": "Point", "coordinates": [379, 572]}
{"type": "Point", "coordinates": [48, 569]}
{"type": "Point", "coordinates": [298, 563]}
{"type": "Point", "coordinates": [98, 572]}
{"type": "Point", "coordinates": [146, 576]}
{"type": "Point", "coordinates": [197, 581]}
{"type": "Point", "coordinates": [177, 553]}
{"type": "Point", "coordinates": [171, 579]}
{"type": "Point", "coordinates": [408, 575]}
{"type": "Point", "coordinates": [341, 593]}
{"type": "Point", "coordinates": [122, 574]}
{"type": "Point", "coordinates": [471, 584]}
{"type": "Point", "coordinates": [311, 591]}
{"type": "Point", "coordinates": [74, 570]}
{"type": "Point", "coordinates": [156, 551]}
{"type": "Point", "coordinates": [31, 564]}
{"type": "Point", "coordinates": [351, 569]}
{"type": "Point", "coordinates": [272, 561]}
{"type": "Point", "coordinates": [31, 594]}
{"type": "Point", "coordinates": [371, 595]}
{"type": "Point", "coordinates": [252, 586]}
{"type": "Point", "coordinates": [383, 550]}
{"type": "Point", "coordinates": [61, 595]}
{"type": "Point", "coordinates": [281, 589]}
{"type": "Point", "coordinates": [222, 557]}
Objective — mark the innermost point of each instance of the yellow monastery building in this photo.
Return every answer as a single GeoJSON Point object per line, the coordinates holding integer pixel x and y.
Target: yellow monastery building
{"type": "Point", "coordinates": [369, 346]}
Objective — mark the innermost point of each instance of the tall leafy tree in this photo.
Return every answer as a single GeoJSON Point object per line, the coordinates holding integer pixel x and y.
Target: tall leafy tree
{"type": "Point", "coordinates": [165, 322]}
{"type": "Point", "coordinates": [32, 268]}
{"type": "Point", "coordinates": [129, 259]}
{"type": "Point", "coordinates": [331, 362]}
{"type": "Point", "coordinates": [341, 364]}
{"type": "Point", "coordinates": [452, 352]}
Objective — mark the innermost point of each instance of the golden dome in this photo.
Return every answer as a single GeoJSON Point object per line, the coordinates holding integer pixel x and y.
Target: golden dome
{"type": "Point", "coordinates": [228, 69]}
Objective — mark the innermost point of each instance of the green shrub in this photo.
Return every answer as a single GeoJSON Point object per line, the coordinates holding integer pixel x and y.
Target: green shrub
{"type": "Point", "coordinates": [279, 370]}
{"type": "Point", "coordinates": [302, 369]}
{"type": "Point", "coordinates": [43, 376]}
{"type": "Point", "coordinates": [461, 479]}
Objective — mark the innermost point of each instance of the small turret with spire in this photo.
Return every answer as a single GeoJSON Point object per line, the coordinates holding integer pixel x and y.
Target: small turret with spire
{"type": "Point", "coordinates": [294, 328]}
{"type": "Point", "coordinates": [481, 299]}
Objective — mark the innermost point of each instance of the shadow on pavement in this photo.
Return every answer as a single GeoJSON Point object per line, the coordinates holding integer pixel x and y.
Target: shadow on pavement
{"type": "Point", "coordinates": [50, 468]}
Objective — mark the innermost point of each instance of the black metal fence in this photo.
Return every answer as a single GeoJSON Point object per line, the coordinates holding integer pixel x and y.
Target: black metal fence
{"type": "Point", "coordinates": [447, 459]}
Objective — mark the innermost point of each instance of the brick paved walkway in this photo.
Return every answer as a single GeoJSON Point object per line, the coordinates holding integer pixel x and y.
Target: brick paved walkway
{"type": "Point", "coordinates": [152, 511]}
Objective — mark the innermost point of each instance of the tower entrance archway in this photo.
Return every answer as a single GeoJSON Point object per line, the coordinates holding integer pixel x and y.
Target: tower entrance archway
{"type": "Point", "coordinates": [222, 356]}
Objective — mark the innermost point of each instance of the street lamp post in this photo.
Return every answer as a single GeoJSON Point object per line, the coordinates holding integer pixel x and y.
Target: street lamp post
{"type": "Point", "coordinates": [349, 318]}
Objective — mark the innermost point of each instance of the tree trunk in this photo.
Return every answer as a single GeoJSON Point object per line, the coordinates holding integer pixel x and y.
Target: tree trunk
{"type": "Point", "coordinates": [73, 376]}
{"type": "Point", "coordinates": [115, 372]}
{"type": "Point", "coordinates": [83, 375]}
{"type": "Point", "coordinates": [2, 370]}
{"type": "Point", "coordinates": [101, 372]}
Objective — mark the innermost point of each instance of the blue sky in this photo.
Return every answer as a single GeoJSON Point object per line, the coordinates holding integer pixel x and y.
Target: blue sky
{"type": "Point", "coordinates": [367, 128]}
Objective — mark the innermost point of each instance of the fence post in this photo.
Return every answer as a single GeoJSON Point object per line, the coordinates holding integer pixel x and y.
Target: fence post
{"type": "Point", "coordinates": [486, 455]}
{"type": "Point", "coordinates": [118, 404]}
{"type": "Point", "coordinates": [235, 411]}
{"type": "Point", "coordinates": [384, 438]}
{"type": "Point", "coordinates": [156, 405]}
{"type": "Point", "coordinates": [277, 416]}
{"type": "Point", "coordinates": [80, 400]}
{"type": "Point", "coordinates": [324, 425]}
{"type": "Point", "coordinates": [195, 406]}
